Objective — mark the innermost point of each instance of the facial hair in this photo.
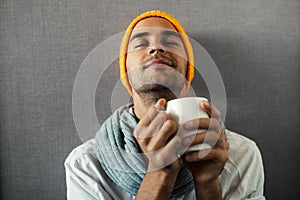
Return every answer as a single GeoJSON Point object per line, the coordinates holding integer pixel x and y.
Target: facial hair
{"type": "Point", "coordinates": [151, 88]}
{"type": "Point", "coordinates": [151, 93]}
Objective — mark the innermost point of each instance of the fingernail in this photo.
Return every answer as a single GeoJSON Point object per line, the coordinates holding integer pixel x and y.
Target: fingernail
{"type": "Point", "coordinates": [159, 104]}
{"type": "Point", "coordinates": [188, 125]}
{"type": "Point", "coordinates": [205, 103]}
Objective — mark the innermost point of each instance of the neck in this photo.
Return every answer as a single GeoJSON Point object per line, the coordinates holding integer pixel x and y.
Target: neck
{"type": "Point", "coordinates": [143, 102]}
{"type": "Point", "coordinates": [139, 107]}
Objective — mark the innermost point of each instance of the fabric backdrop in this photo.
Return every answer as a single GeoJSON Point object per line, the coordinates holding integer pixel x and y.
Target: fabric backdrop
{"type": "Point", "coordinates": [255, 45]}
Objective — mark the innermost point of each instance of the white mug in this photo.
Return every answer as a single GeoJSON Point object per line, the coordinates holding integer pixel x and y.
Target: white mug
{"type": "Point", "coordinates": [184, 109]}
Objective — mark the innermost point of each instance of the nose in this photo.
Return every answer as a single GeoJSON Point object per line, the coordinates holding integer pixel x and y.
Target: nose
{"type": "Point", "coordinates": [153, 51]}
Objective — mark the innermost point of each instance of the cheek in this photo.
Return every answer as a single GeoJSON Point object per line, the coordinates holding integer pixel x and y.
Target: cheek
{"type": "Point", "coordinates": [133, 59]}
{"type": "Point", "coordinates": [178, 53]}
{"type": "Point", "coordinates": [181, 64]}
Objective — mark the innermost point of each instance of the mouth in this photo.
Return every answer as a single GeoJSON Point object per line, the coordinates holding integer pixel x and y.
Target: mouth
{"type": "Point", "coordinates": [161, 62]}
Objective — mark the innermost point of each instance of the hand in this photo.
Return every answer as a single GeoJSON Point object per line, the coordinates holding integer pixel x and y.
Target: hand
{"type": "Point", "coordinates": [205, 165]}
{"type": "Point", "coordinates": [156, 135]}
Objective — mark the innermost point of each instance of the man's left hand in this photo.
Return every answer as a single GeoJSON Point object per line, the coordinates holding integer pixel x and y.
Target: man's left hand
{"type": "Point", "coordinates": [206, 165]}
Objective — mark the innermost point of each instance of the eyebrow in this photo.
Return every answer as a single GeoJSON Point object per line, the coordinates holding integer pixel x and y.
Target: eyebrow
{"type": "Point", "coordinates": [171, 33]}
{"type": "Point", "coordinates": [168, 33]}
{"type": "Point", "coordinates": [138, 35]}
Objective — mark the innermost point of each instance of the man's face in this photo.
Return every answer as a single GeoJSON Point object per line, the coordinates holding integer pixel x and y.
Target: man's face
{"type": "Point", "coordinates": [156, 57]}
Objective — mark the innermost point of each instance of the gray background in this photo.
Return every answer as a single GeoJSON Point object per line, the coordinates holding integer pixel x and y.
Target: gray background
{"type": "Point", "coordinates": [255, 45]}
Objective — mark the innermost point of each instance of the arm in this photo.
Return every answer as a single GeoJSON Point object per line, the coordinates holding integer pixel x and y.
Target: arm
{"type": "Point", "coordinates": [156, 135]}
{"type": "Point", "coordinates": [205, 165]}
{"type": "Point", "coordinates": [243, 176]}
{"type": "Point", "coordinates": [81, 180]}
{"type": "Point", "coordinates": [85, 178]}
{"type": "Point", "coordinates": [156, 185]}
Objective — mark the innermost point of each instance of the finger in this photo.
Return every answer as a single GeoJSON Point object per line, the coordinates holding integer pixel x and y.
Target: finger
{"type": "Point", "coordinates": [151, 113]}
{"type": "Point", "coordinates": [167, 131]}
{"type": "Point", "coordinates": [159, 119]}
{"type": "Point", "coordinates": [203, 123]}
{"type": "Point", "coordinates": [194, 124]}
{"type": "Point", "coordinates": [164, 156]}
{"type": "Point", "coordinates": [207, 154]}
{"type": "Point", "coordinates": [225, 143]}
{"type": "Point", "coordinates": [161, 104]}
{"type": "Point", "coordinates": [148, 117]}
{"type": "Point", "coordinates": [157, 122]}
{"type": "Point", "coordinates": [211, 110]}
{"type": "Point", "coordinates": [196, 156]}
{"type": "Point", "coordinates": [143, 129]}
{"type": "Point", "coordinates": [209, 137]}
{"type": "Point", "coordinates": [169, 152]}
{"type": "Point", "coordinates": [216, 141]}
{"type": "Point", "coordinates": [152, 129]}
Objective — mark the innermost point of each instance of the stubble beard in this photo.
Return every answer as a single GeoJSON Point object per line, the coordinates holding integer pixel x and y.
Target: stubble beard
{"type": "Point", "coordinates": [168, 83]}
{"type": "Point", "coordinates": [150, 90]}
{"type": "Point", "coordinates": [151, 93]}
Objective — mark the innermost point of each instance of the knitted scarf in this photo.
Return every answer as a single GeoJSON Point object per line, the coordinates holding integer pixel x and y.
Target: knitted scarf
{"type": "Point", "coordinates": [118, 152]}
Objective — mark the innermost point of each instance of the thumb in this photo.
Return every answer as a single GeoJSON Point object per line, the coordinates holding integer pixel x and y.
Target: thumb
{"type": "Point", "coordinates": [161, 104]}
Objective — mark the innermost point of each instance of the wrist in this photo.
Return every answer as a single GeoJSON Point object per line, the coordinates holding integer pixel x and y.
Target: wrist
{"type": "Point", "coordinates": [161, 184]}
{"type": "Point", "coordinates": [164, 176]}
{"type": "Point", "coordinates": [209, 190]}
{"type": "Point", "coordinates": [172, 169]}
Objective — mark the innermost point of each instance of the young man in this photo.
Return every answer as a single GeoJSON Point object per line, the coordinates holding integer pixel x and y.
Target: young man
{"type": "Point", "coordinates": [137, 153]}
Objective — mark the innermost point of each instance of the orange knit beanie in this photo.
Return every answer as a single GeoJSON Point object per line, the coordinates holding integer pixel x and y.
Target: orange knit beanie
{"type": "Point", "coordinates": [126, 37]}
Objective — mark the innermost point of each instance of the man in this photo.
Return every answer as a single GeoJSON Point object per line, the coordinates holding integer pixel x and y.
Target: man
{"type": "Point", "coordinates": [137, 153]}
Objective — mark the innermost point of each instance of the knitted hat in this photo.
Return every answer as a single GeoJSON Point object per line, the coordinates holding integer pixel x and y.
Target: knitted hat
{"type": "Point", "coordinates": [126, 37]}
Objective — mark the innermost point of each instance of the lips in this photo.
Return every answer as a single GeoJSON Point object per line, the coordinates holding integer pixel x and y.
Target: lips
{"type": "Point", "coordinates": [158, 63]}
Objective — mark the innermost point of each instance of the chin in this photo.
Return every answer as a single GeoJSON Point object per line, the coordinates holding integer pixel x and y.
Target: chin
{"type": "Point", "coordinates": [151, 93]}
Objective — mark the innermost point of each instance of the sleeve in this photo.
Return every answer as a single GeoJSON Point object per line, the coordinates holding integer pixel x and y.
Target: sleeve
{"type": "Point", "coordinates": [255, 177]}
{"type": "Point", "coordinates": [243, 175]}
{"type": "Point", "coordinates": [82, 179]}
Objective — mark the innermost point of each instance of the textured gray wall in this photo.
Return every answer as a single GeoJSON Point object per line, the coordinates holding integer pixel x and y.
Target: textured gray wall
{"type": "Point", "coordinates": [255, 44]}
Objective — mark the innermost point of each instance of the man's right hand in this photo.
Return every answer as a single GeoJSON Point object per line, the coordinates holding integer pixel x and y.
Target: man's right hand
{"type": "Point", "coordinates": [156, 135]}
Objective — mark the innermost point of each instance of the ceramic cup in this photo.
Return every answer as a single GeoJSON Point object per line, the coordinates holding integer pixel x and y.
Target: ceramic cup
{"type": "Point", "coordinates": [184, 109]}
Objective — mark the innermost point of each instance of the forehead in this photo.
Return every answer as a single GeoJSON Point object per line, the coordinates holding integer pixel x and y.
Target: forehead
{"type": "Point", "coordinates": [152, 22]}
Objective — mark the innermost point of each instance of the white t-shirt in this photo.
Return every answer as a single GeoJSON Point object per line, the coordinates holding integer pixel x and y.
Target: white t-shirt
{"type": "Point", "coordinates": [242, 177]}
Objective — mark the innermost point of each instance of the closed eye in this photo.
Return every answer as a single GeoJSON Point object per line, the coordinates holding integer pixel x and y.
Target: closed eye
{"type": "Point", "coordinates": [142, 44]}
{"type": "Point", "coordinates": [171, 43]}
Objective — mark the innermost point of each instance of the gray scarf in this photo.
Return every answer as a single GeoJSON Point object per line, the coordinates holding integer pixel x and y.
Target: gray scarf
{"type": "Point", "coordinates": [119, 155]}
